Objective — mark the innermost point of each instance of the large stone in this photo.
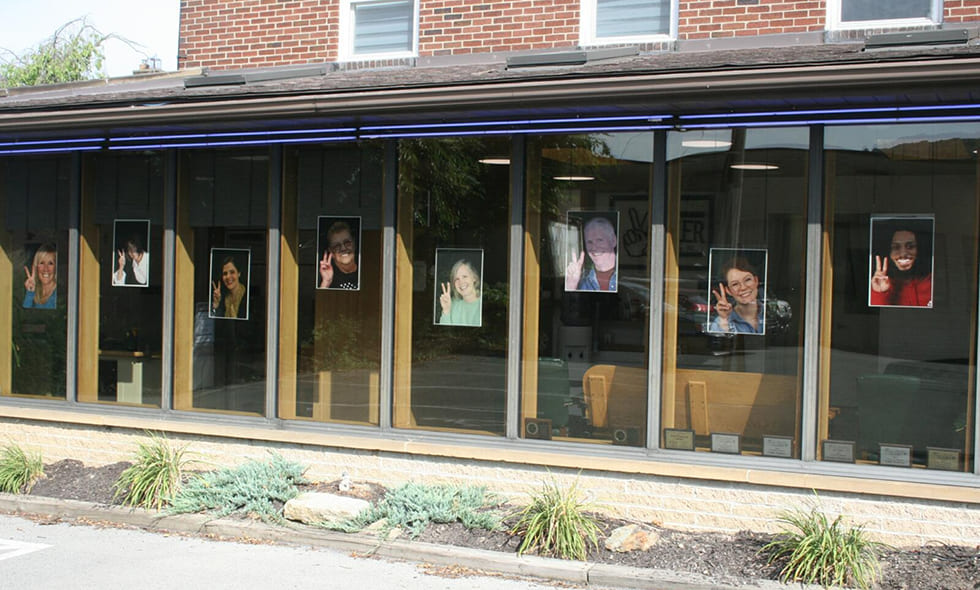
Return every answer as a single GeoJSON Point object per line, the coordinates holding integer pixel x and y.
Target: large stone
{"type": "Point", "coordinates": [631, 537]}
{"type": "Point", "coordinates": [317, 507]}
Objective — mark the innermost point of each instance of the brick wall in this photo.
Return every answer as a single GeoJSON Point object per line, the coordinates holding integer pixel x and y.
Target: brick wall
{"type": "Point", "coordinates": [958, 11]}
{"type": "Point", "coordinates": [704, 19]}
{"type": "Point", "coordinates": [452, 27]}
{"type": "Point", "coordinates": [688, 504]}
{"type": "Point", "coordinates": [253, 33]}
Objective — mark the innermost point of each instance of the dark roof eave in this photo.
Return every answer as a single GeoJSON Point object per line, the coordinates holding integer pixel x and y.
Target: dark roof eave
{"type": "Point", "coordinates": [644, 88]}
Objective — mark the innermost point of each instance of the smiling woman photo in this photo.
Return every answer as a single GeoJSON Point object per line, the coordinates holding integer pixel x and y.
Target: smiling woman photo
{"type": "Point", "coordinates": [229, 285]}
{"type": "Point", "coordinates": [460, 299]}
{"type": "Point", "coordinates": [740, 305]}
{"type": "Point", "coordinates": [41, 282]}
{"type": "Point", "coordinates": [901, 264]}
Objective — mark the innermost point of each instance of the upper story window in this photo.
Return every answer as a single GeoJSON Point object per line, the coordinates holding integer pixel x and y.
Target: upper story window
{"type": "Point", "coordinates": [378, 29]}
{"type": "Point", "coordinates": [617, 21]}
{"type": "Point", "coordinates": [852, 14]}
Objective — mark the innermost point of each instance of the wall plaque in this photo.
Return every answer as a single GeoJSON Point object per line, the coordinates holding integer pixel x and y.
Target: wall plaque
{"type": "Point", "coordinates": [841, 451]}
{"type": "Point", "coordinates": [678, 439]}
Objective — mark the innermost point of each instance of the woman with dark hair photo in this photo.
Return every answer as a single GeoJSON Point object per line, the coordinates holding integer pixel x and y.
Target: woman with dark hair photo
{"type": "Point", "coordinates": [229, 298]}
{"type": "Point", "coordinates": [902, 265]}
{"type": "Point", "coordinates": [745, 311]}
{"type": "Point", "coordinates": [138, 260]}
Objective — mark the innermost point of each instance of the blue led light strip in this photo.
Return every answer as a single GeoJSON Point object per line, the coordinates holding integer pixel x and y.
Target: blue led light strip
{"type": "Point", "coordinates": [151, 146]}
{"type": "Point", "coordinates": [266, 134]}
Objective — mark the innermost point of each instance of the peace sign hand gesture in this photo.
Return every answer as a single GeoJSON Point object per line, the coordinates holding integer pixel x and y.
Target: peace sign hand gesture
{"type": "Point", "coordinates": [446, 299]}
{"type": "Point", "coordinates": [29, 282]}
{"type": "Point", "coordinates": [216, 295]}
{"type": "Point", "coordinates": [326, 270]}
{"type": "Point", "coordinates": [722, 308]}
{"type": "Point", "coordinates": [880, 282]}
{"type": "Point", "coordinates": [573, 272]}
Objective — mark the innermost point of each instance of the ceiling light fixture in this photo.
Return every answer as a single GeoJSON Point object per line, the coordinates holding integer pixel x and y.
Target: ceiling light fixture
{"type": "Point", "coordinates": [495, 161]}
{"type": "Point", "coordinates": [574, 178]}
{"type": "Point", "coordinates": [754, 166]}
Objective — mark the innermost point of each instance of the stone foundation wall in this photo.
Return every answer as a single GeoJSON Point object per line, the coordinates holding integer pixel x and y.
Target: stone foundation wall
{"type": "Point", "coordinates": [689, 504]}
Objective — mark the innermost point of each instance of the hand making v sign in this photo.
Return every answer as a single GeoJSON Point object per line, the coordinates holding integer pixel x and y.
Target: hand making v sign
{"type": "Point", "coordinates": [723, 308]}
{"type": "Point", "coordinates": [880, 281]}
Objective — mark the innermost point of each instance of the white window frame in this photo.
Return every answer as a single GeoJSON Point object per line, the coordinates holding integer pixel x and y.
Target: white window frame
{"type": "Point", "coordinates": [587, 27]}
{"type": "Point", "coordinates": [834, 22]}
{"type": "Point", "coordinates": [345, 49]}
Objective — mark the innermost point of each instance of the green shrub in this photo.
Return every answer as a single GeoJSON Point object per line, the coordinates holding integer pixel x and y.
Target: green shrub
{"type": "Point", "coordinates": [19, 469]}
{"type": "Point", "coordinates": [557, 523]}
{"type": "Point", "coordinates": [255, 488]}
{"type": "Point", "coordinates": [413, 506]}
{"type": "Point", "coordinates": [820, 551]}
{"type": "Point", "coordinates": [155, 475]}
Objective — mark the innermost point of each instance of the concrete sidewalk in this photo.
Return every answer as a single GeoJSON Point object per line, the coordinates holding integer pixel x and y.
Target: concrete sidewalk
{"type": "Point", "coordinates": [574, 572]}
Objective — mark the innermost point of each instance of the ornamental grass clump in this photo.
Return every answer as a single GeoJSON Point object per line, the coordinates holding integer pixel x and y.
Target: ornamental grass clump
{"type": "Point", "coordinates": [817, 550]}
{"type": "Point", "coordinates": [254, 488]}
{"type": "Point", "coordinates": [155, 475]}
{"type": "Point", "coordinates": [557, 523]}
{"type": "Point", "coordinates": [413, 506]}
{"type": "Point", "coordinates": [19, 469]}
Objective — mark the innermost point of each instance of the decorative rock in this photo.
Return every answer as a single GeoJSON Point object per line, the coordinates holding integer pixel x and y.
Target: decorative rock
{"type": "Point", "coordinates": [631, 537]}
{"type": "Point", "coordinates": [377, 527]}
{"type": "Point", "coordinates": [317, 507]}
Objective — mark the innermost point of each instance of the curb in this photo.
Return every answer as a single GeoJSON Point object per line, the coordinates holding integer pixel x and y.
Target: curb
{"type": "Point", "coordinates": [575, 572]}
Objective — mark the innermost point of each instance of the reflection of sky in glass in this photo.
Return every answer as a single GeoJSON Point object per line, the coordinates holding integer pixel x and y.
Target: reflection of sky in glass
{"type": "Point", "coordinates": [879, 137]}
{"type": "Point", "coordinates": [755, 139]}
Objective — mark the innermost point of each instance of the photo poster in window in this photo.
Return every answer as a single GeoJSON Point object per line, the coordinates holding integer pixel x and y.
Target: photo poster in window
{"type": "Point", "coordinates": [230, 272]}
{"type": "Point", "coordinates": [591, 252]}
{"type": "Point", "coordinates": [338, 249]}
{"type": "Point", "coordinates": [737, 290]}
{"type": "Point", "coordinates": [459, 287]}
{"type": "Point", "coordinates": [130, 253]}
{"type": "Point", "coordinates": [901, 261]}
{"type": "Point", "coordinates": [41, 275]}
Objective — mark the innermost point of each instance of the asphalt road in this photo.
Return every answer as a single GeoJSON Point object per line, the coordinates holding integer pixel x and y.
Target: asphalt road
{"type": "Point", "coordinates": [60, 555]}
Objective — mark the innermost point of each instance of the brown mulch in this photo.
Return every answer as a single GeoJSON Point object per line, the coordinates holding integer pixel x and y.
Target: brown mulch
{"type": "Point", "coordinates": [727, 559]}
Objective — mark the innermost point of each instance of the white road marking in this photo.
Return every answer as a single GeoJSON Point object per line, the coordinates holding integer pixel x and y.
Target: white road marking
{"type": "Point", "coordinates": [9, 549]}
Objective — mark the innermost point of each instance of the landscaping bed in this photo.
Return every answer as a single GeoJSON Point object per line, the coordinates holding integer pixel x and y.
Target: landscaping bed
{"type": "Point", "coordinates": [727, 559]}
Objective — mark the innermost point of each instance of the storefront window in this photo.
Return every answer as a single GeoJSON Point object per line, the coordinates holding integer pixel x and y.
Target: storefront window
{"type": "Point", "coordinates": [331, 269]}
{"type": "Point", "coordinates": [221, 270]}
{"type": "Point", "coordinates": [733, 304]}
{"type": "Point", "coordinates": [587, 288]}
{"type": "Point", "coordinates": [120, 319]}
{"type": "Point", "coordinates": [451, 312]}
{"type": "Point", "coordinates": [900, 288]}
{"type": "Point", "coordinates": [34, 275]}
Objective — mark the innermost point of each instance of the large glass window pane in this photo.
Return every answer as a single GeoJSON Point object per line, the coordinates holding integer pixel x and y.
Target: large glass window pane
{"type": "Point", "coordinates": [331, 269]}
{"type": "Point", "coordinates": [122, 261]}
{"type": "Point", "coordinates": [34, 275]}
{"type": "Point", "coordinates": [451, 311]}
{"type": "Point", "coordinates": [587, 288]}
{"type": "Point", "coordinates": [733, 299]}
{"type": "Point", "coordinates": [220, 316]}
{"type": "Point", "coordinates": [900, 294]}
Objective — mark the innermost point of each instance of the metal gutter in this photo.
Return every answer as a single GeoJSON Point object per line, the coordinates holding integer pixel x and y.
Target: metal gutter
{"type": "Point", "coordinates": [647, 89]}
